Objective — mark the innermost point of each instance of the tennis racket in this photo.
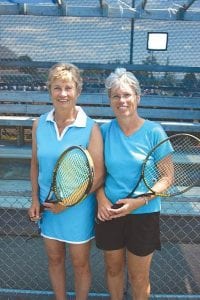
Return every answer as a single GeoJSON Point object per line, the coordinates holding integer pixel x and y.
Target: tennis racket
{"type": "Point", "coordinates": [173, 173]}
{"type": "Point", "coordinates": [171, 168]}
{"type": "Point", "coordinates": [72, 177]}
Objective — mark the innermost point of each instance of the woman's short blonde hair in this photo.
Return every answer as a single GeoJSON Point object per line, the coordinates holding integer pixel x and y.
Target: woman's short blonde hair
{"type": "Point", "coordinates": [65, 71]}
{"type": "Point", "coordinates": [122, 76]}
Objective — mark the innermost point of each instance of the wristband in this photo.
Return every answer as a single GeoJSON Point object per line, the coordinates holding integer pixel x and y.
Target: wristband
{"type": "Point", "coordinates": [146, 200]}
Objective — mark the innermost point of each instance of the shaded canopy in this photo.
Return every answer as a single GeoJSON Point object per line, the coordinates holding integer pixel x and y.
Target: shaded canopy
{"type": "Point", "coordinates": [139, 9]}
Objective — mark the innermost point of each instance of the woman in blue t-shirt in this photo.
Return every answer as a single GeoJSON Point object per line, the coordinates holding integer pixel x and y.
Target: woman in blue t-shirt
{"type": "Point", "coordinates": [132, 229]}
{"type": "Point", "coordinates": [64, 126]}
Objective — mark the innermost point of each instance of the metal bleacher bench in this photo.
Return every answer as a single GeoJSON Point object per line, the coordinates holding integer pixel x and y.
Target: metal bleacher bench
{"type": "Point", "coordinates": [176, 114]}
{"type": "Point", "coordinates": [18, 109]}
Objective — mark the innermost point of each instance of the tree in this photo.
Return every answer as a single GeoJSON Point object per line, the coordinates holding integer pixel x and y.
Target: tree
{"type": "Point", "coordinates": [168, 79]}
{"type": "Point", "coordinates": [27, 69]}
{"type": "Point", "coordinates": [147, 78]}
{"type": "Point", "coordinates": [190, 81]}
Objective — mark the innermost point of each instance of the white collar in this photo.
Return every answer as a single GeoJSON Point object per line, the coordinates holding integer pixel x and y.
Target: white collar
{"type": "Point", "coordinates": [80, 121]}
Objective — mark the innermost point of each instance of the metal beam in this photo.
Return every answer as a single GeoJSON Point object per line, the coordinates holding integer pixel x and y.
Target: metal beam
{"type": "Point", "coordinates": [188, 4]}
{"type": "Point", "coordinates": [60, 2]}
{"type": "Point", "coordinates": [104, 7]}
{"type": "Point", "coordinates": [182, 10]}
{"type": "Point", "coordinates": [141, 5]}
{"type": "Point", "coordinates": [98, 66]}
{"type": "Point", "coordinates": [86, 11]}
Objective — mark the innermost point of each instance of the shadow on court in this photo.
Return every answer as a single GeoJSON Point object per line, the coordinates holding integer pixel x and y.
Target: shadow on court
{"type": "Point", "coordinates": [24, 271]}
{"type": "Point", "coordinates": [174, 271]}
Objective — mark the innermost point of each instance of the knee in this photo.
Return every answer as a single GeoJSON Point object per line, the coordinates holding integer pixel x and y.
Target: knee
{"type": "Point", "coordinates": [56, 259]}
{"type": "Point", "coordinates": [114, 270]}
{"type": "Point", "coordinates": [81, 265]}
{"type": "Point", "coordinates": [139, 281]}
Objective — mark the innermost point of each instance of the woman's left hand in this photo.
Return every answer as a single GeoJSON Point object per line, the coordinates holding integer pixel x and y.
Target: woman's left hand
{"type": "Point", "coordinates": [54, 207]}
{"type": "Point", "coordinates": [129, 204]}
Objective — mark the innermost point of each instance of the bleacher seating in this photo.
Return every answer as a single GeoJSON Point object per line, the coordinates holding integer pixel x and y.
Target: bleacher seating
{"type": "Point", "coordinates": [176, 114]}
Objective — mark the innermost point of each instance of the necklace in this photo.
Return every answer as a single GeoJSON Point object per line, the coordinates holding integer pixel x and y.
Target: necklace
{"type": "Point", "coordinates": [62, 123]}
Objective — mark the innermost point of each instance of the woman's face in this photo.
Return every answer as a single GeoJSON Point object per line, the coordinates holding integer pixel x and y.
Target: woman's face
{"type": "Point", "coordinates": [63, 93]}
{"type": "Point", "coordinates": [124, 101]}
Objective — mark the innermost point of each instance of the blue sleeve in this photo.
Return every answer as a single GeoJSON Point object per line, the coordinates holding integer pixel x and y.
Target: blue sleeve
{"type": "Point", "coordinates": [164, 148]}
{"type": "Point", "coordinates": [104, 128]}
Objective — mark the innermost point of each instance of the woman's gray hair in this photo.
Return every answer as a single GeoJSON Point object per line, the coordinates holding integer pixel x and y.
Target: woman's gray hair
{"type": "Point", "coordinates": [121, 76]}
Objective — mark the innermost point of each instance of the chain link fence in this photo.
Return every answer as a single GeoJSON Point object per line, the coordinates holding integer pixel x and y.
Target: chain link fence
{"type": "Point", "coordinates": [29, 45]}
{"type": "Point", "coordinates": [175, 269]}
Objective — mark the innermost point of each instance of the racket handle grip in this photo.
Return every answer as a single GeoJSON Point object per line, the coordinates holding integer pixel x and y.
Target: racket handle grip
{"type": "Point", "coordinates": [142, 195]}
{"type": "Point", "coordinates": [41, 208]}
{"type": "Point", "coordinates": [117, 205]}
{"type": "Point", "coordinates": [114, 206]}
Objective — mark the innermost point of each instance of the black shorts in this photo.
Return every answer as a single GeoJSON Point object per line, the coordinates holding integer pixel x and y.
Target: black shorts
{"type": "Point", "coordinates": [140, 233]}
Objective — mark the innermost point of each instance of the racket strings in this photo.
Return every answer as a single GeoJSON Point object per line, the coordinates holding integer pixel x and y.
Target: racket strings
{"type": "Point", "coordinates": [177, 172]}
{"type": "Point", "coordinates": [185, 160]}
{"type": "Point", "coordinates": [72, 177]}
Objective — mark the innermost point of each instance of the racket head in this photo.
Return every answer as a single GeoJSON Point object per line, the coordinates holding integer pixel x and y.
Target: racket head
{"type": "Point", "coordinates": [73, 176]}
{"type": "Point", "coordinates": [178, 171]}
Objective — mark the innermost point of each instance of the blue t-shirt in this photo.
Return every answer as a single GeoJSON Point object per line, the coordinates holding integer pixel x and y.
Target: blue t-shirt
{"type": "Point", "coordinates": [124, 156]}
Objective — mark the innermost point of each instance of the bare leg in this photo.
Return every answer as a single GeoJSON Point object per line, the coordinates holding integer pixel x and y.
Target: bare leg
{"type": "Point", "coordinates": [139, 268]}
{"type": "Point", "coordinates": [115, 262]}
{"type": "Point", "coordinates": [56, 262]}
{"type": "Point", "coordinates": [80, 259]}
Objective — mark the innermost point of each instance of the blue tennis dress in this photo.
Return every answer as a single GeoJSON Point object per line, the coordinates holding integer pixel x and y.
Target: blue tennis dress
{"type": "Point", "coordinates": [75, 224]}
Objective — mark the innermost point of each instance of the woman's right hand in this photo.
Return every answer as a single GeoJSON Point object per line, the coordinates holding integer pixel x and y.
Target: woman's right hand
{"type": "Point", "coordinates": [104, 210]}
{"type": "Point", "coordinates": [34, 211]}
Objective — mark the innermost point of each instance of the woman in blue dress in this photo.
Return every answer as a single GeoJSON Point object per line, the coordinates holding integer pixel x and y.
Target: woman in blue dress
{"type": "Point", "coordinates": [132, 231]}
{"type": "Point", "coordinates": [65, 125]}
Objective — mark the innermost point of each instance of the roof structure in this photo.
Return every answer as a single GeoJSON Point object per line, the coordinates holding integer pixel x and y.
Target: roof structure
{"type": "Point", "coordinates": [99, 33]}
{"type": "Point", "coordinates": [188, 10]}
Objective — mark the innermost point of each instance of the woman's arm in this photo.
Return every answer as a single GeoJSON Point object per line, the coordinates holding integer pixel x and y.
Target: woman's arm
{"type": "Point", "coordinates": [95, 149]}
{"type": "Point", "coordinates": [165, 180]}
{"type": "Point", "coordinates": [104, 205]}
{"type": "Point", "coordinates": [34, 210]}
